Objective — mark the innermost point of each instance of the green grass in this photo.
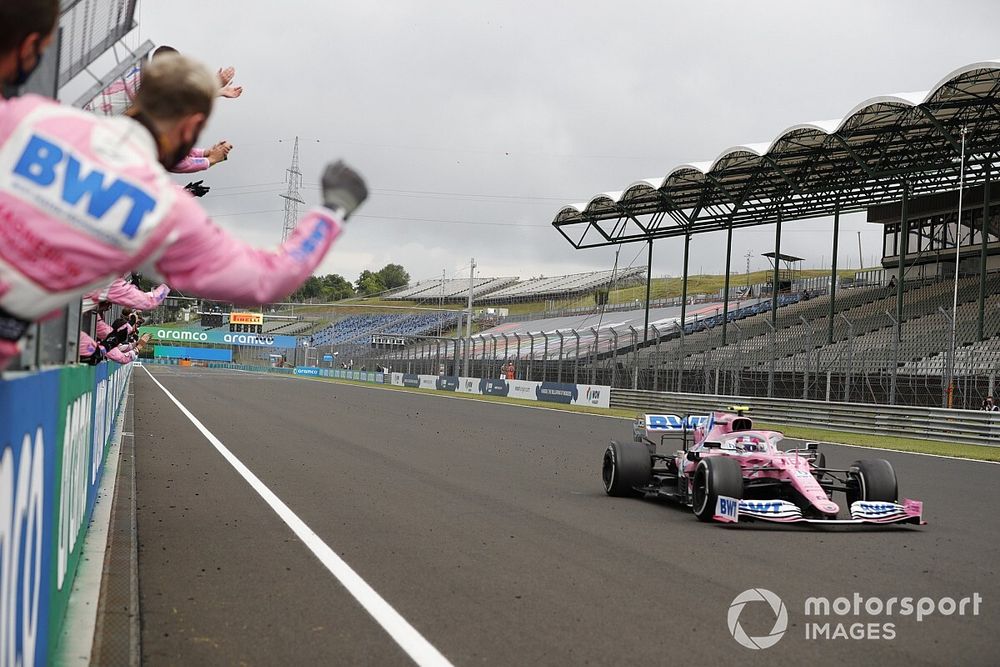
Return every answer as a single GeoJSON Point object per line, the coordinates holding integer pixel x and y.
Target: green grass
{"type": "Point", "coordinates": [978, 452]}
{"type": "Point", "coordinates": [942, 448]}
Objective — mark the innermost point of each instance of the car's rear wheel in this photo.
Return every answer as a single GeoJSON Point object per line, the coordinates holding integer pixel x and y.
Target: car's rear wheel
{"type": "Point", "coordinates": [715, 476]}
{"type": "Point", "coordinates": [627, 465]}
{"type": "Point", "coordinates": [872, 479]}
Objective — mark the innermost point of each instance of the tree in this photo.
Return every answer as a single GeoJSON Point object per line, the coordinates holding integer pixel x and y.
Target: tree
{"type": "Point", "coordinates": [370, 283]}
{"type": "Point", "coordinates": [335, 287]}
{"type": "Point", "coordinates": [393, 275]}
{"type": "Point", "coordinates": [310, 289]}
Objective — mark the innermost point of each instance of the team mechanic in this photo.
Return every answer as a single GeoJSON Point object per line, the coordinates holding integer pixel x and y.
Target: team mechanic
{"type": "Point", "coordinates": [84, 199]}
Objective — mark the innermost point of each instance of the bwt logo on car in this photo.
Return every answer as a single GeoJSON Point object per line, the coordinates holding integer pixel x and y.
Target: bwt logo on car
{"type": "Point", "coordinates": [673, 422]}
{"type": "Point", "coordinates": [39, 164]}
{"type": "Point", "coordinates": [769, 507]}
{"type": "Point", "coordinates": [879, 508]}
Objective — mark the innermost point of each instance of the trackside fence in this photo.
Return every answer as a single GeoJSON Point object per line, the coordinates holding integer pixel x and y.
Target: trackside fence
{"type": "Point", "coordinates": [922, 423]}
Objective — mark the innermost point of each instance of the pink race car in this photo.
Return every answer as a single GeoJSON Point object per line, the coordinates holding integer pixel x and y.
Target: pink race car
{"type": "Point", "coordinates": [728, 471]}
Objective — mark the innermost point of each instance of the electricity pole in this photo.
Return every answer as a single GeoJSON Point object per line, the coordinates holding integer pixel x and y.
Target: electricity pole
{"type": "Point", "coordinates": [292, 199]}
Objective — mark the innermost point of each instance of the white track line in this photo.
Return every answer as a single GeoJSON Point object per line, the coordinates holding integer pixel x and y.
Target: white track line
{"type": "Point", "coordinates": [419, 649]}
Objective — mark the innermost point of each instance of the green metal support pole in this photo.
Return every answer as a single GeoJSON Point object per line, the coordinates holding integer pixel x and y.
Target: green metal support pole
{"type": "Point", "coordinates": [684, 299]}
{"type": "Point", "coordinates": [980, 334]}
{"type": "Point", "coordinates": [903, 250]}
{"type": "Point", "coordinates": [725, 290]}
{"type": "Point", "coordinates": [684, 282]}
{"type": "Point", "coordinates": [649, 280]}
{"type": "Point", "coordinates": [777, 265]}
{"type": "Point", "coordinates": [833, 274]}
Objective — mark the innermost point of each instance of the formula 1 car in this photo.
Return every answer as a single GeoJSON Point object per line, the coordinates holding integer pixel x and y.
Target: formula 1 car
{"type": "Point", "coordinates": [727, 471]}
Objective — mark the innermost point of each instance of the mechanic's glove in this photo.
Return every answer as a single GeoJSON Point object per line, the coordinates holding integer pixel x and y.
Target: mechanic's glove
{"type": "Point", "coordinates": [343, 189]}
{"type": "Point", "coordinates": [197, 189]}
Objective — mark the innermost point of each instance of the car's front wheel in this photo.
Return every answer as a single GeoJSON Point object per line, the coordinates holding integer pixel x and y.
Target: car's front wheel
{"type": "Point", "coordinates": [872, 479]}
{"type": "Point", "coordinates": [715, 476]}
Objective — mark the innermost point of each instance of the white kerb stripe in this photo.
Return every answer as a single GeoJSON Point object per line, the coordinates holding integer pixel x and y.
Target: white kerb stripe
{"type": "Point", "coordinates": [419, 649]}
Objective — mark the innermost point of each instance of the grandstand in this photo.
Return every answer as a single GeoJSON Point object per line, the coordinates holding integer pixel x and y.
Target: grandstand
{"type": "Point", "coordinates": [358, 329]}
{"type": "Point", "coordinates": [449, 289]}
{"type": "Point", "coordinates": [554, 287]}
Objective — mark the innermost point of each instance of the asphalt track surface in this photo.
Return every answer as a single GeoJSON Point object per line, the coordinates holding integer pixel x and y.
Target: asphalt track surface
{"type": "Point", "coordinates": [487, 528]}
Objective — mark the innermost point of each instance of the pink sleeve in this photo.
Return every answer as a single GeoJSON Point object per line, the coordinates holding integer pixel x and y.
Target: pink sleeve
{"type": "Point", "coordinates": [204, 260]}
{"type": "Point", "coordinates": [103, 328]}
{"type": "Point", "coordinates": [87, 345]}
{"type": "Point", "coordinates": [115, 354]}
{"type": "Point", "coordinates": [130, 296]}
{"type": "Point", "coordinates": [191, 163]}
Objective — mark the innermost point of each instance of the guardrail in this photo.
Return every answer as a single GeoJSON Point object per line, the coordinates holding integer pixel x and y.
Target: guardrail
{"type": "Point", "coordinates": [960, 426]}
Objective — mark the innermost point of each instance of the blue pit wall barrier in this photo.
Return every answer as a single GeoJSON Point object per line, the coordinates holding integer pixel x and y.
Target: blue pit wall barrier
{"type": "Point", "coordinates": [56, 427]}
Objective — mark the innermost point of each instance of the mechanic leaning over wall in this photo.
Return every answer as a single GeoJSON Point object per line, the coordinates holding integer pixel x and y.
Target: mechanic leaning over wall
{"type": "Point", "coordinates": [85, 199]}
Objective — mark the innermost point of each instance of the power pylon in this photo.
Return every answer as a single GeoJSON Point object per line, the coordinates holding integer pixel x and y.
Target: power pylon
{"type": "Point", "coordinates": [292, 199]}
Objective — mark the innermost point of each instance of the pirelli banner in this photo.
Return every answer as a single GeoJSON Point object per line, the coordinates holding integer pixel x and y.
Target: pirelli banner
{"type": "Point", "coordinates": [213, 337]}
{"type": "Point", "coordinates": [598, 396]}
{"type": "Point", "coordinates": [246, 318]}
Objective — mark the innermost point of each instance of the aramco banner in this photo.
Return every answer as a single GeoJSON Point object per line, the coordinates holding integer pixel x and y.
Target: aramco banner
{"type": "Point", "coordinates": [214, 337]}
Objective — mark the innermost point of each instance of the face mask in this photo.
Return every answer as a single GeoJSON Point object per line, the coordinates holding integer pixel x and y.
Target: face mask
{"type": "Point", "coordinates": [181, 152]}
{"type": "Point", "coordinates": [23, 74]}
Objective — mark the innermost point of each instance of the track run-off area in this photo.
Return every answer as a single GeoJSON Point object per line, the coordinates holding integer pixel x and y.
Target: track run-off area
{"type": "Point", "coordinates": [309, 522]}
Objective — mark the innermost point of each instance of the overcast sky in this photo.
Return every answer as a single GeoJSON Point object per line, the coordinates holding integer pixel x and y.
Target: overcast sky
{"type": "Point", "coordinates": [475, 121]}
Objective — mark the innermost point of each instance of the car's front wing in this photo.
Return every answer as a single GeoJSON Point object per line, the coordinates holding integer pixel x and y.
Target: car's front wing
{"type": "Point", "coordinates": [732, 510]}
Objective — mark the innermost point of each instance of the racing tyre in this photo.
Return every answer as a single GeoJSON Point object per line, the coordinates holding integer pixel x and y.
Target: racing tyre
{"type": "Point", "coordinates": [715, 476]}
{"type": "Point", "coordinates": [627, 465]}
{"type": "Point", "coordinates": [872, 479]}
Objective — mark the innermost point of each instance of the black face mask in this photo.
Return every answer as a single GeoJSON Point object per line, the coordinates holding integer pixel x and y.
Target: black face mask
{"type": "Point", "coordinates": [181, 152]}
{"type": "Point", "coordinates": [178, 154]}
{"type": "Point", "coordinates": [23, 74]}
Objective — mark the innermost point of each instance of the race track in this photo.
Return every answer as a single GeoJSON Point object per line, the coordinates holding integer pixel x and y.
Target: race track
{"type": "Point", "coordinates": [486, 527]}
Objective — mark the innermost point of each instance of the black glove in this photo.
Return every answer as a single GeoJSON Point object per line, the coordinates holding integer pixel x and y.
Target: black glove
{"type": "Point", "coordinates": [343, 189]}
{"type": "Point", "coordinates": [197, 189]}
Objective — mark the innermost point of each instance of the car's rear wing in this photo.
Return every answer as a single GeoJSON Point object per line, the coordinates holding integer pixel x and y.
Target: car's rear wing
{"type": "Point", "coordinates": [658, 429]}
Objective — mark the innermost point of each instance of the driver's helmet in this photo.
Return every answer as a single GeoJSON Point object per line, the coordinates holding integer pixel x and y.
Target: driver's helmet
{"type": "Point", "coordinates": [752, 443]}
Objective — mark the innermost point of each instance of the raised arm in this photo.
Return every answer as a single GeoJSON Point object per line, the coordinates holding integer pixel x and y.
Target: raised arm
{"type": "Point", "coordinates": [204, 260]}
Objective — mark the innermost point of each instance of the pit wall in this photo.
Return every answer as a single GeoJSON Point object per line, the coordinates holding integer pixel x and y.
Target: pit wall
{"type": "Point", "coordinates": [55, 429]}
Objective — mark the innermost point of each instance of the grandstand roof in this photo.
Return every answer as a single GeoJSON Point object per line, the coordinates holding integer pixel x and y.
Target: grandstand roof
{"type": "Point", "coordinates": [782, 256]}
{"type": "Point", "coordinates": [810, 169]}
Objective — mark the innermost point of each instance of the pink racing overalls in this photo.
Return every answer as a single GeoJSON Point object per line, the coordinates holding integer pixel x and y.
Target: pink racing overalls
{"type": "Point", "coordinates": [116, 99]}
{"type": "Point", "coordinates": [83, 200]}
{"type": "Point", "coordinates": [126, 294]}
